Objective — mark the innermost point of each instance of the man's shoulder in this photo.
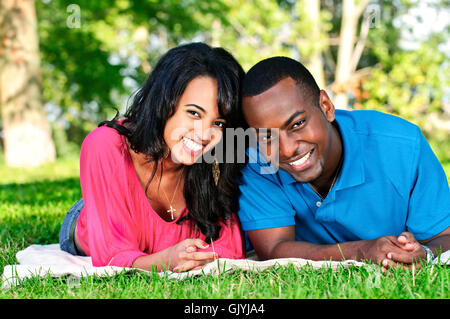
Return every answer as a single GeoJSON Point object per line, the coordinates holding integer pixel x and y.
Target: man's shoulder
{"type": "Point", "coordinates": [255, 171]}
{"type": "Point", "coordinates": [389, 146]}
{"type": "Point", "coordinates": [378, 125]}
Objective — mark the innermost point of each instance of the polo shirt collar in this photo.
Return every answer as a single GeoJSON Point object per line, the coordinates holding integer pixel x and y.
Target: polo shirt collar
{"type": "Point", "coordinates": [352, 172]}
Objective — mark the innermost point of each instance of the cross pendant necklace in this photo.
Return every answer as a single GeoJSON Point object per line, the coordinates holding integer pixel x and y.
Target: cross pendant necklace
{"type": "Point", "coordinates": [171, 211]}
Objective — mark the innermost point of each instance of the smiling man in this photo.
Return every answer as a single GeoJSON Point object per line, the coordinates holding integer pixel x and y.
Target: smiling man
{"type": "Point", "coordinates": [351, 184]}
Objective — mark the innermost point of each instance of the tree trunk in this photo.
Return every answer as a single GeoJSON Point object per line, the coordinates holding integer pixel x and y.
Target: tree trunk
{"type": "Point", "coordinates": [351, 12]}
{"type": "Point", "coordinates": [314, 61]}
{"type": "Point", "coordinates": [27, 135]}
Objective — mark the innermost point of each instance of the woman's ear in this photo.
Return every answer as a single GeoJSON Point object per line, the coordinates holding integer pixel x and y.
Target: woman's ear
{"type": "Point", "coordinates": [326, 106]}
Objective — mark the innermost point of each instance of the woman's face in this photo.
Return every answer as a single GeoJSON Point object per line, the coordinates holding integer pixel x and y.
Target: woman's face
{"type": "Point", "coordinates": [196, 126]}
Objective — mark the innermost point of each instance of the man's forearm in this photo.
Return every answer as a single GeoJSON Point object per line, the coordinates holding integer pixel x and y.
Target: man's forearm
{"type": "Point", "coordinates": [300, 249]}
{"type": "Point", "coordinates": [439, 244]}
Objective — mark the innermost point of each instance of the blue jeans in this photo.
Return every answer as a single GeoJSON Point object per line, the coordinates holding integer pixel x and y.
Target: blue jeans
{"type": "Point", "coordinates": [67, 233]}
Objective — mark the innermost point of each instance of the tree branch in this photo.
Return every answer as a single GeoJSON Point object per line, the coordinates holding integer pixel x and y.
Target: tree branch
{"type": "Point", "coordinates": [359, 48]}
{"type": "Point", "coordinates": [360, 7]}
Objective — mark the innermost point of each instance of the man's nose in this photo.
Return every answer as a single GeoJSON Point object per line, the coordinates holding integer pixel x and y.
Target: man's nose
{"type": "Point", "coordinates": [288, 147]}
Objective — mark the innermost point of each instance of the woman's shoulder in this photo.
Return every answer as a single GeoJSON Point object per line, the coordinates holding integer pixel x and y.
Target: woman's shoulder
{"type": "Point", "coordinates": [104, 140]}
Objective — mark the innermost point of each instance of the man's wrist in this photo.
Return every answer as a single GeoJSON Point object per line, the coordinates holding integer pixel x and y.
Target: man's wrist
{"type": "Point", "coordinates": [351, 250]}
{"type": "Point", "coordinates": [429, 253]}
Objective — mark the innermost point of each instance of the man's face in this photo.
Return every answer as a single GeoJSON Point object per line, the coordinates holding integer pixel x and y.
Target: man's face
{"type": "Point", "coordinates": [304, 129]}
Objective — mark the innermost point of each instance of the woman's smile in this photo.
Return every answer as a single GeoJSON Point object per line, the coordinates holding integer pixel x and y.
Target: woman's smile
{"type": "Point", "coordinates": [192, 147]}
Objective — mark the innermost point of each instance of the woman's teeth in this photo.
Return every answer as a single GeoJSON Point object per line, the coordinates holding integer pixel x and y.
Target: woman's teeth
{"type": "Point", "coordinates": [302, 160]}
{"type": "Point", "coordinates": [192, 145]}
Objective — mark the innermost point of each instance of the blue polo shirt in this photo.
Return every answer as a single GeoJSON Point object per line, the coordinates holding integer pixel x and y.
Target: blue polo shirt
{"type": "Point", "coordinates": [390, 182]}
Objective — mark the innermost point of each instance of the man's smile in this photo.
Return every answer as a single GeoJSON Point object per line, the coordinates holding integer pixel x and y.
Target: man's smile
{"type": "Point", "coordinates": [302, 161]}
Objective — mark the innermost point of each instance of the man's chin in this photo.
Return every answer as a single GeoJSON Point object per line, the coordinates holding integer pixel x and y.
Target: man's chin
{"type": "Point", "coordinates": [305, 176]}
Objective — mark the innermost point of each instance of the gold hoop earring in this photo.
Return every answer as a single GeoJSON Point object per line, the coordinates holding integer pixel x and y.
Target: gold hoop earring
{"type": "Point", "coordinates": [215, 171]}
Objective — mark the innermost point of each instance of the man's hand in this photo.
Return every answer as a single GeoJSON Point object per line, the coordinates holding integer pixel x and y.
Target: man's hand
{"type": "Point", "coordinates": [280, 243]}
{"type": "Point", "coordinates": [377, 250]}
{"type": "Point", "coordinates": [389, 251]}
{"type": "Point", "coordinates": [412, 252]}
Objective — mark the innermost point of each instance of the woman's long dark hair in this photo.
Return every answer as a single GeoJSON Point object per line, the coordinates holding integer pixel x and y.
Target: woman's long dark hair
{"type": "Point", "coordinates": [156, 102]}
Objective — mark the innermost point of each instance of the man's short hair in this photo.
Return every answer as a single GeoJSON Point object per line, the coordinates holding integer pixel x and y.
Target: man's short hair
{"type": "Point", "coordinates": [266, 73]}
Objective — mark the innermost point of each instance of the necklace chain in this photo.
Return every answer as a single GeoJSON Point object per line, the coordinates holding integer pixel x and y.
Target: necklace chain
{"type": "Point", "coordinates": [172, 210]}
{"type": "Point", "coordinates": [334, 179]}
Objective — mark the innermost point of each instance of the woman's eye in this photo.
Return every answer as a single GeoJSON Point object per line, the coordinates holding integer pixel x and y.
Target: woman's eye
{"type": "Point", "coordinates": [220, 124]}
{"type": "Point", "coordinates": [193, 113]}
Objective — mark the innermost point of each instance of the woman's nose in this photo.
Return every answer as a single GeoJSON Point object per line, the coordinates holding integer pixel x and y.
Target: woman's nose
{"type": "Point", "coordinates": [206, 132]}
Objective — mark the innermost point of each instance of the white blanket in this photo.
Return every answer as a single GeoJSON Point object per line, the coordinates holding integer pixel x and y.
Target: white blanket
{"type": "Point", "coordinates": [43, 260]}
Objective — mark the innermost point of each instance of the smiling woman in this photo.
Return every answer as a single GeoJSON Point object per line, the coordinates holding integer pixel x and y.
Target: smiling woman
{"type": "Point", "coordinates": [196, 127]}
{"type": "Point", "coordinates": [143, 208]}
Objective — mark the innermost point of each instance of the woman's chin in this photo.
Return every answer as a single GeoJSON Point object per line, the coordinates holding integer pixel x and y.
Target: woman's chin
{"type": "Point", "coordinates": [185, 159]}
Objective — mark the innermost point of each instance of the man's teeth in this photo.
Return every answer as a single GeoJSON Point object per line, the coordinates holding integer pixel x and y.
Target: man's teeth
{"type": "Point", "coordinates": [300, 161]}
{"type": "Point", "coordinates": [192, 145]}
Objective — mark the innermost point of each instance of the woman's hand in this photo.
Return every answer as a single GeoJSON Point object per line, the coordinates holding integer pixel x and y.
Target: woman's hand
{"type": "Point", "coordinates": [186, 256]}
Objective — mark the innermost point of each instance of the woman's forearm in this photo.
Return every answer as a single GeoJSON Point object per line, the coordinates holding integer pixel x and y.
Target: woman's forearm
{"type": "Point", "coordinates": [159, 261]}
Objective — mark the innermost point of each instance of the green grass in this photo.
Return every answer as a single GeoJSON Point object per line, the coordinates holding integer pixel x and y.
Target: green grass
{"type": "Point", "coordinates": [33, 204]}
{"type": "Point", "coordinates": [285, 282]}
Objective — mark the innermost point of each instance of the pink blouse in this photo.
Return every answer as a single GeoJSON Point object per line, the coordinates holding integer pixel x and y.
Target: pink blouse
{"type": "Point", "coordinates": [117, 223]}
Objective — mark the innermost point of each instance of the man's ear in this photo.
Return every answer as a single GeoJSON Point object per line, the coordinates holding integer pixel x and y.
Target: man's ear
{"type": "Point", "coordinates": [326, 106]}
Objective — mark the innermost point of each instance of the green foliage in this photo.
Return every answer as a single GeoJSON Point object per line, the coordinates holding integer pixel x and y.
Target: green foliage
{"type": "Point", "coordinates": [411, 84]}
{"type": "Point", "coordinates": [251, 30]}
{"type": "Point", "coordinates": [98, 65]}
{"type": "Point", "coordinates": [383, 39]}
{"type": "Point", "coordinates": [74, 60]}
{"type": "Point", "coordinates": [77, 58]}
{"type": "Point", "coordinates": [89, 68]}
{"type": "Point", "coordinates": [64, 147]}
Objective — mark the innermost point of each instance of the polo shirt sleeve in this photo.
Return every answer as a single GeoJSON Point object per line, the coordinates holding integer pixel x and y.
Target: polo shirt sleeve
{"type": "Point", "coordinates": [429, 204]}
{"type": "Point", "coordinates": [263, 203]}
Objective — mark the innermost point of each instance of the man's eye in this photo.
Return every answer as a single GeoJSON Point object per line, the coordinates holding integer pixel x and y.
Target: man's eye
{"type": "Point", "coordinates": [298, 123]}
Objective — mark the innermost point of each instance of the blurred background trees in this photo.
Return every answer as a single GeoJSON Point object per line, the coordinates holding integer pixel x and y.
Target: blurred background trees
{"type": "Point", "coordinates": [366, 54]}
{"type": "Point", "coordinates": [27, 134]}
